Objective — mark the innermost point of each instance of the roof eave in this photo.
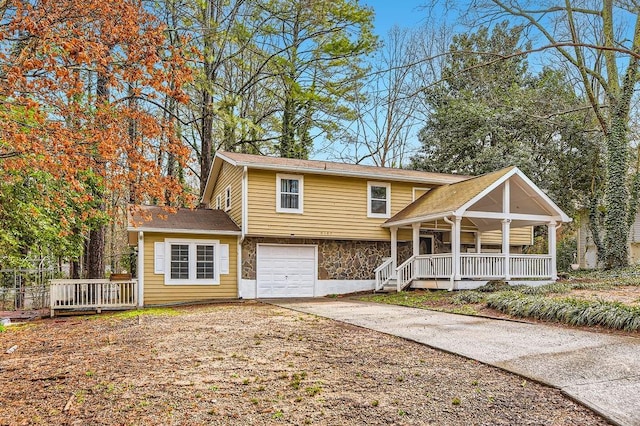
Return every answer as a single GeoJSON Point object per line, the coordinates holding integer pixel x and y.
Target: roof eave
{"type": "Point", "coordinates": [416, 219]}
{"type": "Point", "coordinates": [372, 175]}
{"type": "Point", "coordinates": [182, 231]}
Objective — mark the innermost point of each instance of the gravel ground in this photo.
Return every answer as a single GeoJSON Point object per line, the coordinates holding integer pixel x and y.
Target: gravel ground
{"type": "Point", "coordinates": [253, 364]}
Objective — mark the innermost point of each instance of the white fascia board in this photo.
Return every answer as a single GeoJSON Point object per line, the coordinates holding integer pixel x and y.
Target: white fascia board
{"type": "Point", "coordinates": [183, 231]}
{"type": "Point", "coordinates": [410, 221]}
{"type": "Point", "coordinates": [372, 175]}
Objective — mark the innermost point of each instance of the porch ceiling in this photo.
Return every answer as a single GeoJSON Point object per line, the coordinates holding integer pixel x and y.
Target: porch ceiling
{"type": "Point", "coordinates": [480, 200]}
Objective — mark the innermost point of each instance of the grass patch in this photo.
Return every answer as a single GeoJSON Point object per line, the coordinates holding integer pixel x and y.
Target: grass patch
{"type": "Point", "coordinates": [567, 310]}
{"type": "Point", "coordinates": [147, 311]}
{"type": "Point", "coordinates": [2, 328]}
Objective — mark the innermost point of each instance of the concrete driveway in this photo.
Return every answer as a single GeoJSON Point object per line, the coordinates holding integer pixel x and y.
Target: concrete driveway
{"type": "Point", "coordinates": [598, 370]}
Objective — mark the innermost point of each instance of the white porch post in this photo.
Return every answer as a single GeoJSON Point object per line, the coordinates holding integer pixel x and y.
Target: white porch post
{"type": "Point", "coordinates": [140, 271]}
{"type": "Point", "coordinates": [551, 235]}
{"type": "Point", "coordinates": [394, 249]}
{"type": "Point", "coordinates": [478, 242]}
{"type": "Point", "coordinates": [416, 238]}
{"type": "Point", "coordinates": [455, 246]}
{"type": "Point", "coordinates": [506, 229]}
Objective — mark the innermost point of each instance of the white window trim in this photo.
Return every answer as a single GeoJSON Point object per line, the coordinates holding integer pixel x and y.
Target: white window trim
{"type": "Point", "coordinates": [300, 178]}
{"type": "Point", "coordinates": [385, 215]}
{"type": "Point", "coordinates": [218, 202]}
{"type": "Point", "coordinates": [227, 198]}
{"type": "Point", "coordinates": [192, 243]}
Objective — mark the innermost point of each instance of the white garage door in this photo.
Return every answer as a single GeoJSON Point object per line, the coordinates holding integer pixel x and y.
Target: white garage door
{"type": "Point", "coordinates": [286, 271]}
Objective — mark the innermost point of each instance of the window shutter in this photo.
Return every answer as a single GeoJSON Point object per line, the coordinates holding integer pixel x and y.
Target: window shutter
{"type": "Point", "coordinates": [224, 258]}
{"type": "Point", "coordinates": [158, 258]}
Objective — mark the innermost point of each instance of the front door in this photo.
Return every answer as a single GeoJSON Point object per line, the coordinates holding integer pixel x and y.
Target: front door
{"type": "Point", "coordinates": [426, 244]}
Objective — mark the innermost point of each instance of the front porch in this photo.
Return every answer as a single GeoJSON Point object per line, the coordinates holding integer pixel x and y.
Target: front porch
{"type": "Point", "coordinates": [498, 202]}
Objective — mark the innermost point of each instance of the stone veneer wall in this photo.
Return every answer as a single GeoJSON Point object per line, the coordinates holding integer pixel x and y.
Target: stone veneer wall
{"type": "Point", "coordinates": [337, 259]}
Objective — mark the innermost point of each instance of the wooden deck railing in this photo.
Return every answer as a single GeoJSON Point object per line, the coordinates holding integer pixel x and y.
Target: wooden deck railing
{"type": "Point", "coordinates": [93, 294]}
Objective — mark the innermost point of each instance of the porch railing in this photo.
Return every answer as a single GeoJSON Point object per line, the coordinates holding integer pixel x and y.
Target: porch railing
{"type": "Point", "coordinates": [93, 294]}
{"type": "Point", "coordinates": [481, 265]}
{"type": "Point", "coordinates": [406, 273]}
{"type": "Point", "coordinates": [530, 266]}
{"type": "Point", "coordinates": [384, 273]}
{"type": "Point", "coordinates": [434, 265]}
{"type": "Point", "coordinates": [472, 266]}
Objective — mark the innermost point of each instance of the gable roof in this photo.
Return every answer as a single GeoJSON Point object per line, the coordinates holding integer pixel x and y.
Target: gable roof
{"type": "Point", "coordinates": [294, 165]}
{"type": "Point", "coordinates": [183, 221]}
{"type": "Point", "coordinates": [456, 198]}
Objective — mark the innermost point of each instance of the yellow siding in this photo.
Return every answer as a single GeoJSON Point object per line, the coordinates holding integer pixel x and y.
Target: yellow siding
{"type": "Point", "coordinates": [517, 237]}
{"type": "Point", "coordinates": [334, 207]}
{"type": "Point", "coordinates": [229, 175]}
{"type": "Point", "coordinates": [156, 292]}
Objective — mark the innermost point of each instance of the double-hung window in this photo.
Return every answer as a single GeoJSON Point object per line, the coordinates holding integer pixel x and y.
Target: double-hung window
{"type": "Point", "coordinates": [190, 261]}
{"type": "Point", "coordinates": [289, 193]}
{"type": "Point", "coordinates": [378, 199]}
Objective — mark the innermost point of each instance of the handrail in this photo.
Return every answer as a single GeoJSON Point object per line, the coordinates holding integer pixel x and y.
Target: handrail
{"type": "Point", "coordinates": [405, 273]}
{"type": "Point", "coordinates": [384, 273]}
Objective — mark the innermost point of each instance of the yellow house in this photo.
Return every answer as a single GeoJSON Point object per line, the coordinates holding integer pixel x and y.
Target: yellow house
{"type": "Point", "coordinates": [277, 227]}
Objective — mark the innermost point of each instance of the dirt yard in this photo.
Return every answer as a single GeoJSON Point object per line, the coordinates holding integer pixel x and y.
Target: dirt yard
{"type": "Point", "coordinates": [253, 364]}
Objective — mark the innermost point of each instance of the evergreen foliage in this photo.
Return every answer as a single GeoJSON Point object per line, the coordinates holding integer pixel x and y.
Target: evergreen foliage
{"type": "Point", "coordinates": [491, 112]}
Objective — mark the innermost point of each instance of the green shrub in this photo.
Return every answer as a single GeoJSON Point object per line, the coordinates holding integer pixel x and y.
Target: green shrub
{"type": "Point", "coordinates": [465, 297]}
{"type": "Point", "coordinates": [493, 286]}
{"type": "Point", "coordinates": [569, 311]}
{"type": "Point", "coordinates": [565, 253]}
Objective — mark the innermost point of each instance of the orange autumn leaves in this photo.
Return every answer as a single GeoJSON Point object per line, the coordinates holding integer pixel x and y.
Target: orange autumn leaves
{"type": "Point", "coordinates": [52, 118]}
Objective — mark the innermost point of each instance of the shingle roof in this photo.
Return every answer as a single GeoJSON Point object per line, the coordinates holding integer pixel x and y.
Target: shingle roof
{"type": "Point", "coordinates": [329, 167]}
{"type": "Point", "coordinates": [148, 218]}
{"type": "Point", "coordinates": [448, 198]}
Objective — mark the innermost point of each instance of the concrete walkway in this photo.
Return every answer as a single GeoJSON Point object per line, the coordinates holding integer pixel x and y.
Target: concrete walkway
{"type": "Point", "coordinates": [599, 370]}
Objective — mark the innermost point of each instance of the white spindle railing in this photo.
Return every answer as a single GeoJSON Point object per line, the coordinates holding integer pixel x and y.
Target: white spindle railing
{"type": "Point", "coordinates": [93, 294]}
{"type": "Point", "coordinates": [384, 273]}
{"type": "Point", "coordinates": [472, 266]}
{"type": "Point", "coordinates": [405, 273]}
{"type": "Point", "coordinates": [481, 265]}
{"type": "Point", "coordinates": [530, 266]}
{"type": "Point", "coordinates": [434, 265]}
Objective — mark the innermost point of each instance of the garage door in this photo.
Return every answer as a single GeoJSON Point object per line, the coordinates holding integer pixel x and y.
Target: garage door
{"type": "Point", "coordinates": [286, 271]}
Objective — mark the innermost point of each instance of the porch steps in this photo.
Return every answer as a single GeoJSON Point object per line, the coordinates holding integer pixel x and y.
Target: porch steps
{"type": "Point", "coordinates": [390, 287]}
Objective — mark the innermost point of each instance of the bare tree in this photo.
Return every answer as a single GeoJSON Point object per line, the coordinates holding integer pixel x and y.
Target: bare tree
{"type": "Point", "coordinates": [390, 106]}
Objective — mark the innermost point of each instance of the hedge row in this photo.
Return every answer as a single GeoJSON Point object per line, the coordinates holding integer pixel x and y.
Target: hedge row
{"type": "Point", "coordinates": [570, 311]}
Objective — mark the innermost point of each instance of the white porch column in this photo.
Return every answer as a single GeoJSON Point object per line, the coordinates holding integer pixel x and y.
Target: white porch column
{"type": "Point", "coordinates": [551, 235]}
{"type": "Point", "coordinates": [478, 242]}
{"type": "Point", "coordinates": [416, 238]}
{"type": "Point", "coordinates": [455, 246]}
{"type": "Point", "coordinates": [140, 271]}
{"type": "Point", "coordinates": [506, 229]}
{"type": "Point", "coordinates": [394, 249]}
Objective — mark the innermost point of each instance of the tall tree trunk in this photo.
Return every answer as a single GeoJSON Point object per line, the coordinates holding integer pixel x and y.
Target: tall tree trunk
{"type": "Point", "coordinates": [617, 195]}
{"type": "Point", "coordinates": [206, 121]}
{"type": "Point", "coordinates": [97, 235]}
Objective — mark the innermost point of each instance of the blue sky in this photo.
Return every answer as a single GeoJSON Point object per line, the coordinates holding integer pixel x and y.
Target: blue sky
{"type": "Point", "coordinates": [405, 13]}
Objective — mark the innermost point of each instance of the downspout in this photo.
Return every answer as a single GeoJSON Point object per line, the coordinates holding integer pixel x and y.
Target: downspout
{"type": "Point", "coordinates": [140, 269]}
{"type": "Point", "coordinates": [453, 267]}
{"type": "Point", "coordinates": [243, 228]}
